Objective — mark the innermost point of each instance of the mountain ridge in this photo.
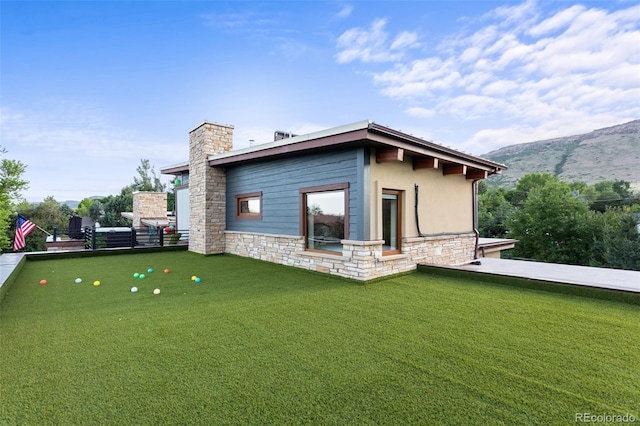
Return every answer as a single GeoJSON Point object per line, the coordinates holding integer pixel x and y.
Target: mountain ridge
{"type": "Point", "coordinates": [609, 153]}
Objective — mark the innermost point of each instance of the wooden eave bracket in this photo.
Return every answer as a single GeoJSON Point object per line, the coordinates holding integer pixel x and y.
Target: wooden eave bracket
{"type": "Point", "coordinates": [477, 174]}
{"type": "Point", "coordinates": [425, 163]}
{"type": "Point", "coordinates": [389, 155]}
{"type": "Point", "coordinates": [454, 169]}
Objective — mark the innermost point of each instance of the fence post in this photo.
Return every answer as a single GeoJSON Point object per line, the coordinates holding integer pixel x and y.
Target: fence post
{"type": "Point", "coordinates": [55, 233]}
{"type": "Point", "coordinates": [93, 237]}
{"type": "Point", "coordinates": [161, 236]}
{"type": "Point", "coordinates": [133, 237]}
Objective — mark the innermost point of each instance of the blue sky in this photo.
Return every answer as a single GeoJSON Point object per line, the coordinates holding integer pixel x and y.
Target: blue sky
{"type": "Point", "coordinates": [87, 89]}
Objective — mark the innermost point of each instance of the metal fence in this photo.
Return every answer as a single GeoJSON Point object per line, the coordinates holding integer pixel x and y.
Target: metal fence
{"type": "Point", "coordinates": [93, 238]}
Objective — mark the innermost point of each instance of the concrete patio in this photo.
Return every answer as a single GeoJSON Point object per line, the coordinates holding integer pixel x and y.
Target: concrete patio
{"type": "Point", "coordinates": [612, 279]}
{"type": "Point", "coordinates": [8, 262]}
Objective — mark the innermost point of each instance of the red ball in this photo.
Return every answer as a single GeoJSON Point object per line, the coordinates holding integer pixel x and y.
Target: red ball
{"type": "Point", "coordinates": [166, 271]}
{"type": "Point", "coordinates": [43, 282]}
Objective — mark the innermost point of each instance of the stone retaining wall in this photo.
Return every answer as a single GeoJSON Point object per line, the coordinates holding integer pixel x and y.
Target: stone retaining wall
{"type": "Point", "coordinates": [360, 260]}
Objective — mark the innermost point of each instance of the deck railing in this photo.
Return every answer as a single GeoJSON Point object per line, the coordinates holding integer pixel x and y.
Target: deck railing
{"type": "Point", "coordinates": [112, 237]}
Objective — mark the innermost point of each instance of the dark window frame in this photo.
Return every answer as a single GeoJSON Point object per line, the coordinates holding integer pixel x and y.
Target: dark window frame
{"type": "Point", "coordinates": [247, 197]}
{"type": "Point", "coordinates": [342, 186]}
{"type": "Point", "coordinates": [399, 213]}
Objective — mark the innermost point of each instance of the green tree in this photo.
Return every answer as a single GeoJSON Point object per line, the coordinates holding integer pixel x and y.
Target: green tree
{"type": "Point", "coordinates": [11, 186]}
{"type": "Point", "coordinates": [611, 194]}
{"type": "Point", "coordinates": [95, 210]}
{"type": "Point", "coordinates": [552, 225]}
{"type": "Point", "coordinates": [114, 205]}
{"type": "Point", "coordinates": [618, 245]}
{"type": "Point", "coordinates": [147, 180]}
{"type": "Point", "coordinates": [36, 240]}
{"type": "Point", "coordinates": [493, 211]}
{"type": "Point", "coordinates": [526, 184]}
{"type": "Point", "coordinates": [49, 213]}
{"type": "Point", "coordinates": [83, 207]}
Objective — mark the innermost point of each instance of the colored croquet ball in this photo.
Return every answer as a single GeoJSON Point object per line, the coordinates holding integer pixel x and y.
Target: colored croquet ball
{"type": "Point", "coordinates": [149, 270]}
{"type": "Point", "coordinates": [96, 283]}
{"type": "Point", "coordinates": [43, 282]}
{"type": "Point", "coordinates": [166, 271]}
{"type": "Point", "coordinates": [136, 275]}
{"type": "Point", "coordinates": [142, 276]}
{"type": "Point", "coordinates": [193, 278]}
{"type": "Point", "coordinates": [197, 279]}
{"type": "Point", "coordinates": [134, 289]}
{"type": "Point", "coordinates": [78, 280]}
{"type": "Point", "coordinates": [156, 291]}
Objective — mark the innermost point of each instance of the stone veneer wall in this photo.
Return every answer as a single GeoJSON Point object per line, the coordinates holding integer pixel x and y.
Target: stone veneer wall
{"type": "Point", "coordinates": [148, 205]}
{"type": "Point", "coordinates": [360, 260]}
{"type": "Point", "coordinates": [207, 187]}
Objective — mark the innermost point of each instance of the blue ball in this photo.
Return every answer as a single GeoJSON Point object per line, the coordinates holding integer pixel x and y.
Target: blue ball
{"type": "Point", "coordinates": [197, 279]}
{"type": "Point", "coordinates": [149, 270]}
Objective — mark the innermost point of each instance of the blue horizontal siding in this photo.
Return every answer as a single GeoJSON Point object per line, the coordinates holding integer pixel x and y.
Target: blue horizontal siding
{"type": "Point", "coordinates": [280, 181]}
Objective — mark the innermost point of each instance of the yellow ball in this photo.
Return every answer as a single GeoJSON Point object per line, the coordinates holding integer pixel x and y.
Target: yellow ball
{"type": "Point", "coordinates": [193, 278]}
{"type": "Point", "coordinates": [96, 283]}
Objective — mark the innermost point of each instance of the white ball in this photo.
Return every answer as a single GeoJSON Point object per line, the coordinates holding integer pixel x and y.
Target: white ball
{"type": "Point", "coordinates": [134, 289]}
{"type": "Point", "coordinates": [78, 280]}
{"type": "Point", "coordinates": [156, 291]}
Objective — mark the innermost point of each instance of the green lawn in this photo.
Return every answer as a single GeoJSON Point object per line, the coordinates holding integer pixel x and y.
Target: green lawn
{"type": "Point", "coordinates": [258, 343]}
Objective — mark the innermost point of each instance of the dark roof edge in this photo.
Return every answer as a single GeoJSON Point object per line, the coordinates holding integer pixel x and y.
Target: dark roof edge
{"type": "Point", "coordinates": [396, 134]}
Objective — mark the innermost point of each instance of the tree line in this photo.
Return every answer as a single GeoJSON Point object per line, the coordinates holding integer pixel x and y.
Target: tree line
{"type": "Point", "coordinates": [553, 221]}
{"type": "Point", "coordinates": [560, 222]}
{"type": "Point", "coordinates": [50, 213]}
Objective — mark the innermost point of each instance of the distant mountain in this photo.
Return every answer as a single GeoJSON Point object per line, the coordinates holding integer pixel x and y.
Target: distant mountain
{"type": "Point", "coordinates": [612, 153]}
{"type": "Point", "coordinates": [74, 204]}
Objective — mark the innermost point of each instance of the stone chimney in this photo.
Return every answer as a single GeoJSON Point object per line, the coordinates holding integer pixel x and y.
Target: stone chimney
{"type": "Point", "coordinates": [207, 187]}
{"type": "Point", "coordinates": [148, 205]}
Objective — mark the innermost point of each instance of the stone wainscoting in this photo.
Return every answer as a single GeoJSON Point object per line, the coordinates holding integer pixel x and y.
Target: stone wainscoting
{"type": "Point", "coordinates": [360, 260]}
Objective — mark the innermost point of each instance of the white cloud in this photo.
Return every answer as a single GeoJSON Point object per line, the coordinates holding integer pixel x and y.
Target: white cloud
{"type": "Point", "coordinates": [557, 21]}
{"type": "Point", "coordinates": [403, 40]}
{"type": "Point", "coordinates": [420, 112]}
{"type": "Point", "coordinates": [72, 151]}
{"type": "Point", "coordinates": [345, 11]}
{"type": "Point", "coordinates": [372, 44]}
{"type": "Point", "coordinates": [537, 72]}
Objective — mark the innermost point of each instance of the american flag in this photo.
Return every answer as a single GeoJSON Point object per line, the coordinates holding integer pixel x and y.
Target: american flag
{"type": "Point", "coordinates": [23, 227]}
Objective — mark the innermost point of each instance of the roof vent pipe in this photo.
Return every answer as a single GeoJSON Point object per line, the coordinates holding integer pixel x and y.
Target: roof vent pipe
{"type": "Point", "coordinates": [279, 135]}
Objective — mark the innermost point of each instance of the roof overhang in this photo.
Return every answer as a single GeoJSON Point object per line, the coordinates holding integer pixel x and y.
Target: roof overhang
{"type": "Point", "coordinates": [391, 145]}
{"type": "Point", "coordinates": [394, 146]}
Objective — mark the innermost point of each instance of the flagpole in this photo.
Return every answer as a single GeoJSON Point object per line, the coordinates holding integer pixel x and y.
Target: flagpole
{"type": "Point", "coordinates": [42, 229]}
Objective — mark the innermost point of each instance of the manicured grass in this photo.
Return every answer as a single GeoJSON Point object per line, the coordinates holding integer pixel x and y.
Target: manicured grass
{"type": "Point", "coordinates": [257, 343]}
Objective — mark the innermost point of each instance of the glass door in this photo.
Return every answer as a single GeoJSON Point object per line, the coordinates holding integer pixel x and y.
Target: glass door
{"type": "Point", "coordinates": [391, 230]}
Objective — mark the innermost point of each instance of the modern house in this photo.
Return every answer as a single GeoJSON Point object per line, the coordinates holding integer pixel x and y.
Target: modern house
{"type": "Point", "coordinates": [359, 201]}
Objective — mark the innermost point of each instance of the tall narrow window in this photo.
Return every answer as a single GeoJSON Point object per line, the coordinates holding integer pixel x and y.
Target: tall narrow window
{"type": "Point", "coordinates": [391, 215]}
{"type": "Point", "coordinates": [325, 221]}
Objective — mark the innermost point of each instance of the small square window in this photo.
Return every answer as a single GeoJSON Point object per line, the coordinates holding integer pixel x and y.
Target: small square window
{"type": "Point", "coordinates": [249, 206]}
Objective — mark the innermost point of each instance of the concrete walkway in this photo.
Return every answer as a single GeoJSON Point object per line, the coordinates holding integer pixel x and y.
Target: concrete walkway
{"type": "Point", "coordinates": [613, 279]}
{"type": "Point", "coordinates": [8, 262]}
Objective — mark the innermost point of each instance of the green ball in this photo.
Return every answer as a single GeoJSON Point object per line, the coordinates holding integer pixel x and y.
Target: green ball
{"type": "Point", "coordinates": [142, 276]}
{"type": "Point", "coordinates": [136, 275]}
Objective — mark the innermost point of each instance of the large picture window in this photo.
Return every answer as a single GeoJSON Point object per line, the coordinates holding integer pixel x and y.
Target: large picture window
{"type": "Point", "coordinates": [391, 214]}
{"type": "Point", "coordinates": [249, 206]}
{"type": "Point", "coordinates": [325, 219]}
